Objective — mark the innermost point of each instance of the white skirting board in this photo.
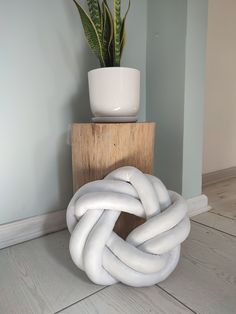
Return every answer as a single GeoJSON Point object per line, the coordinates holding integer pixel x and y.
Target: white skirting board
{"type": "Point", "coordinates": [34, 227]}
{"type": "Point", "coordinates": [198, 205]}
{"type": "Point", "coordinates": [218, 176]}
{"type": "Point", "coordinates": [31, 228]}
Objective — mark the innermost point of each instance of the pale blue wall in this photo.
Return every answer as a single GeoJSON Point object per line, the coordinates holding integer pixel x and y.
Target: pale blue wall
{"type": "Point", "coordinates": [44, 60]}
{"type": "Point", "coordinates": [194, 97]}
{"type": "Point", "coordinates": [135, 49]}
{"type": "Point", "coordinates": [176, 49]}
{"type": "Point", "coordinates": [167, 22]}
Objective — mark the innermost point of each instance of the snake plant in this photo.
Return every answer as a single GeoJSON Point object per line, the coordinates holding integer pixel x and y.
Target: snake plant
{"type": "Point", "coordinates": [105, 32]}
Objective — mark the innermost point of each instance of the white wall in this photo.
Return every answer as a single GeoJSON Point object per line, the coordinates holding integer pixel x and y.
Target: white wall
{"type": "Point", "coordinates": [220, 107]}
{"type": "Point", "coordinates": [44, 61]}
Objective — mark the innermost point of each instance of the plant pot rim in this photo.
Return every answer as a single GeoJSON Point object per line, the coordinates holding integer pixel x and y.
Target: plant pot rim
{"type": "Point", "coordinates": [114, 68]}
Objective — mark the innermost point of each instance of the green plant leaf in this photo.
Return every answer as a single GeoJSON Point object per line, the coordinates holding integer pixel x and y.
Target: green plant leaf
{"type": "Point", "coordinates": [91, 33]}
{"type": "Point", "coordinates": [111, 41]}
{"type": "Point", "coordinates": [117, 30]}
{"type": "Point", "coordinates": [95, 14]}
{"type": "Point", "coordinates": [123, 31]}
{"type": "Point", "coordinates": [107, 33]}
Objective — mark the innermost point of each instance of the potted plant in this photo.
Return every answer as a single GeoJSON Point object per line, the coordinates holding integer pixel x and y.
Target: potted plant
{"type": "Point", "coordinates": [114, 91]}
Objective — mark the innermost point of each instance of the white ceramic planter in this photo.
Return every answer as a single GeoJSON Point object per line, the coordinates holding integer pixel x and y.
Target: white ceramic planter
{"type": "Point", "coordinates": [114, 94]}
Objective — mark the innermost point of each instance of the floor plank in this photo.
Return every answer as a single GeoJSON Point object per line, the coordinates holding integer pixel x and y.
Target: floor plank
{"type": "Point", "coordinates": [39, 277]}
{"type": "Point", "coordinates": [222, 197]}
{"type": "Point", "coordinates": [125, 300]}
{"type": "Point", "coordinates": [205, 279]}
{"type": "Point", "coordinates": [217, 221]}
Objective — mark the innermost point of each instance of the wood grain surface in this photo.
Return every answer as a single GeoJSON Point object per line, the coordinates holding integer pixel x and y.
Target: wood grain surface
{"type": "Point", "coordinates": [205, 279]}
{"type": "Point", "coordinates": [39, 276]}
{"type": "Point", "coordinates": [120, 299]}
{"type": "Point", "coordinates": [218, 222]}
{"type": "Point", "coordinates": [222, 197]}
{"type": "Point", "coordinates": [222, 200]}
{"type": "Point", "coordinates": [99, 148]}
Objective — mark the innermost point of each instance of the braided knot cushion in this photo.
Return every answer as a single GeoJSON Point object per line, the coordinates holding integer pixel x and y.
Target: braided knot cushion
{"type": "Point", "coordinates": [150, 252]}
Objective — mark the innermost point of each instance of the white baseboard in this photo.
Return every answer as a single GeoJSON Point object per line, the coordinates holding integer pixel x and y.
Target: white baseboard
{"type": "Point", "coordinates": [31, 228]}
{"type": "Point", "coordinates": [34, 227]}
{"type": "Point", "coordinates": [217, 176]}
{"type": "Point", "coordinates": [197, 205]}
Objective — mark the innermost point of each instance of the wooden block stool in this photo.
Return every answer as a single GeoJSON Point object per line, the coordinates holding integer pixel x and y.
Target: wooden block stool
{"type": "Point", "coordinates": [99, 148]}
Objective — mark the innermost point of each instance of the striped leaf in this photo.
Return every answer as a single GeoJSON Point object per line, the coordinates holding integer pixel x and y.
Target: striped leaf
{"type": "Point", "coordinates": [117, 31]}
{"type": "Point", "coordinates": [95, 14]}
{"type": "Point", "coordinates": [91, 33]}
{"type": "Point", "coordinates": [107, 33]}
{"type": "Point", "coordinates": [123, 31]}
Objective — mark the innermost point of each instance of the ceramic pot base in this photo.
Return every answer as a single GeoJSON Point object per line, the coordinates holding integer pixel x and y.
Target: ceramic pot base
{"type": "Point", "coordinates": [115, 119]}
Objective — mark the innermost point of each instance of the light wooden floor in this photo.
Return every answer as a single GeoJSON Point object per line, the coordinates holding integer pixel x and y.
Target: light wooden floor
{"type": "Point", "coordinates": [39, 277]}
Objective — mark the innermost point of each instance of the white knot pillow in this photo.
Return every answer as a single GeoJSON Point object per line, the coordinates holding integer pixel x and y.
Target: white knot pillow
{"type": "Point", "coordinates": [151, 251]}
